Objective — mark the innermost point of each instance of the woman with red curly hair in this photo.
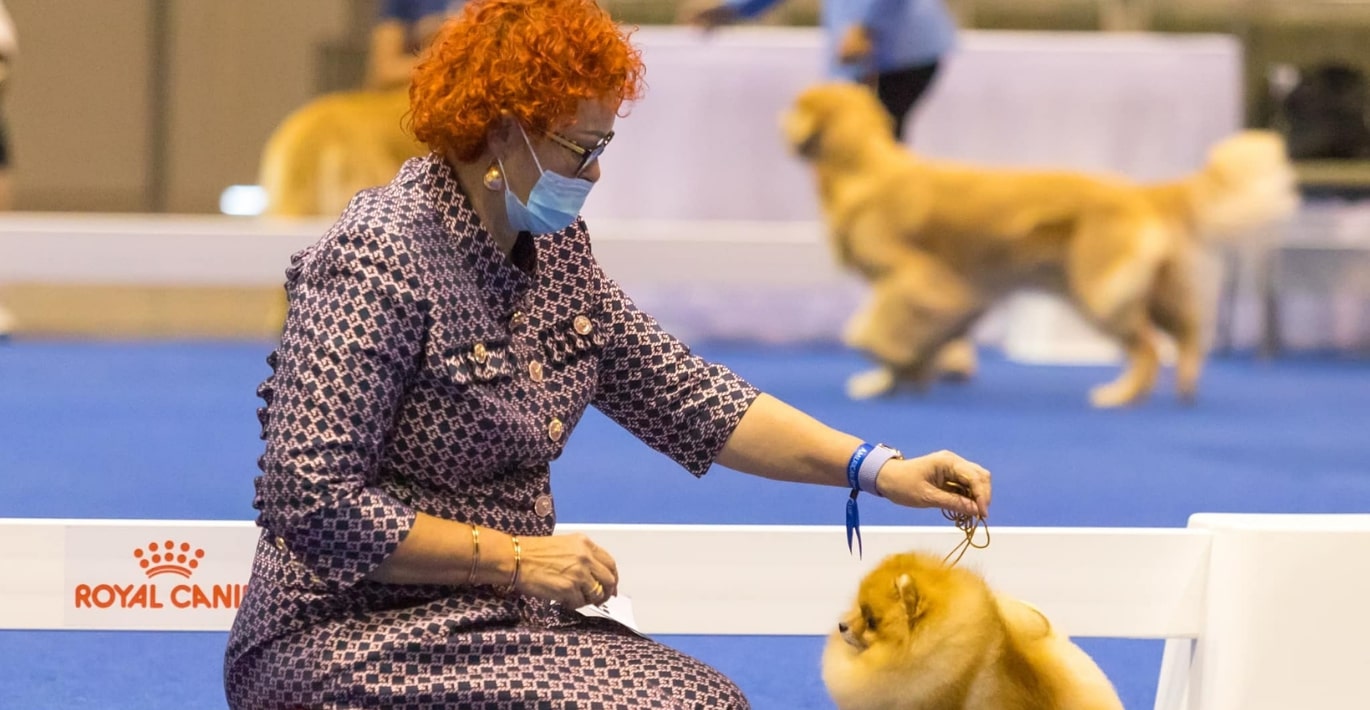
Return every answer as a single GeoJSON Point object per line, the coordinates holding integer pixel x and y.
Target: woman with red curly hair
{"type": "Point", "coordinates": [443, 339]}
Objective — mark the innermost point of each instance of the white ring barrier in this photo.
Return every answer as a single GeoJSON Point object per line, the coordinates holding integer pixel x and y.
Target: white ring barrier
{"type": "Point", "coordinates": [1263, 612]}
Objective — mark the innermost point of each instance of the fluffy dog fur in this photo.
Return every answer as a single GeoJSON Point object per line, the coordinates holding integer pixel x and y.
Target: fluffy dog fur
{"type": "Point", "coordinates": [940, 242]}
{"type": "Point", "coordinates": [331, 148]}
{"type": "Point", "coordinates": [924, 636]}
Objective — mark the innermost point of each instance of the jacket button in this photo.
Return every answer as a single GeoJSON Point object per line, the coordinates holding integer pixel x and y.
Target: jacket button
{"type": "Point", "coordinates": [280, 543]}
{"type": "Point", "coordinates": [479, 353]}
{"type": "Point", "coordinates": [555, 429]}
{"type": "Point", "coordinates": [535, 371]}
{"type": "Point", "coordinates": [543, 505]}
{"type": "Point", "coordinates": [582, 325]}
{"type": "Point", "coordinates": [518, 319]}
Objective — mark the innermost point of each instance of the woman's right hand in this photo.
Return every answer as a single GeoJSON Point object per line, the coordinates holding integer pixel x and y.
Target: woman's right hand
{"type": "Point", "coordinates": [570, 569]}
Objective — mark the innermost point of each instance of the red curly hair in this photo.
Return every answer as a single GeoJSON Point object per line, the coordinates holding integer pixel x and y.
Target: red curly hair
{"type": "Point", "coordinates": [535, 60]}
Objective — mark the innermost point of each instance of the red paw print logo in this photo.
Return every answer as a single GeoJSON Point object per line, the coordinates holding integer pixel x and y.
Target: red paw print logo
{"type": "Point", "coordinates": [168, 557]}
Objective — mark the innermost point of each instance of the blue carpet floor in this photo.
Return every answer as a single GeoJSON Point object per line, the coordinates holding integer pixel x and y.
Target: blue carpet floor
{"type": "Point", "coordinates": [167, 430]}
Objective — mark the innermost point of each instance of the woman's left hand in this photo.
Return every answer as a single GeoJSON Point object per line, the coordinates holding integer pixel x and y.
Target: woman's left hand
{"type": "Point", "coordinates": [928, 482]}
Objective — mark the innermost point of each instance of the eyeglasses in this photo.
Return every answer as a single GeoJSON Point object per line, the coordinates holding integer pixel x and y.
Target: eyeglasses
{"type": "Point", "coordinates": [587, 155]}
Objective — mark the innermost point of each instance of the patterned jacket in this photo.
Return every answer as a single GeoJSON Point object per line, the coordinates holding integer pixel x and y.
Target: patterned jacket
{"type": "Point", "coordinates": [423, 370]}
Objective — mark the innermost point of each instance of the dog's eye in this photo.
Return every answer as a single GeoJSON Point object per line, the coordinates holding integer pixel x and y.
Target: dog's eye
{"type": "Point", "coordinates": [869, 618]}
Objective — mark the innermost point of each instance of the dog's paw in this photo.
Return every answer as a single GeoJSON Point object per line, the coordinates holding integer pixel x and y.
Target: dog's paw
{"type": "Point", "coordinates": [872, 383]}
{"type": "Point", "coordinates": [956, 362]}
{"type": "Point", "coordinates": [1113, 395]}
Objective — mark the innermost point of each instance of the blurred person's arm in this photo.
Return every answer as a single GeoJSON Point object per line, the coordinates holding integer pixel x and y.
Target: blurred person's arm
{"type": "Point", "coordinates": [389, 61]}
{"type": "Point", "coordinates": [9, 43]}
{"type": "Point", "coordinates": [854, 42]}
{"type": "Point", "coordinates": [391, 55]}
{"type": "Point", "coordinates": [723, 13]}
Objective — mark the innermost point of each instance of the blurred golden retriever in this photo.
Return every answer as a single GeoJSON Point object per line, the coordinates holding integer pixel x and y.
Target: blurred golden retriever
{"type": "Point", "coordinates": [940, 242]}
{"type": "Point", "coordinates": [331, 148]}
{"type": "Point", "coordinates": [925, 636]}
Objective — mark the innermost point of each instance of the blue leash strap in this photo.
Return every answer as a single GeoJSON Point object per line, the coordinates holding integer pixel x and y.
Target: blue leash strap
{"type": "Point", "coordinates": [853, 480]}
{"type": "Point", "coordinates": [854, 524]}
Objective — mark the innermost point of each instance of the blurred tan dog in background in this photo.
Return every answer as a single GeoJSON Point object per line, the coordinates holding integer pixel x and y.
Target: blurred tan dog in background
{"type": "Point", "coordinates": [925, 636]}
{"type": "Point", "coordinates": [940, 242]}
{"type": "Point", "coordinates": [331, 148]}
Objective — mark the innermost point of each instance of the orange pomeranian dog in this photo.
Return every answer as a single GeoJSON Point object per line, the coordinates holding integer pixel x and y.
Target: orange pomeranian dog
{"type": "Point", "coordinates": [925, 636]}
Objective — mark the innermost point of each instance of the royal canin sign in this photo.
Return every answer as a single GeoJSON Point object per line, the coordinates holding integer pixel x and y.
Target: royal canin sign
{"type": "Point", "coordinates": [157, 575]}
{"type": "Point", "coordinates": [178, 560]}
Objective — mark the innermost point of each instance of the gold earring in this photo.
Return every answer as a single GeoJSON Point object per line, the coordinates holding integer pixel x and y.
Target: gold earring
{"type": "Point", "coordinates": [494, 178]}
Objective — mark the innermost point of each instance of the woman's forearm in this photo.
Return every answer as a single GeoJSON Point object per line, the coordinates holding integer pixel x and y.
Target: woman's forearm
{"type": "Point", "coordinates": [777, 441]}
{"type": "Point", "coordinates": [438, 551]}
{"type": "Point", "coordinates": [569, 569]}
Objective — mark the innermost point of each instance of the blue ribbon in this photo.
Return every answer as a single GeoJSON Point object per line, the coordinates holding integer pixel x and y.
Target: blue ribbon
{"type": "Point", "coordinates": [854, 524]}
{"type": "Point", "coordinates": [853, 480]}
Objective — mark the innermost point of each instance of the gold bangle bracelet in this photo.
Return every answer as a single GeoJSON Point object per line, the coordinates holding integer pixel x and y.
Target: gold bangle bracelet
{"type": "Point", "coordinates": [475, 554]}
{"type": "Point", "coordinates": [518, 562]}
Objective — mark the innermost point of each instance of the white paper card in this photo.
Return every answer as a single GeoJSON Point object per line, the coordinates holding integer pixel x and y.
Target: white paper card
{"type": "Point", "coordinates": [619, 609]}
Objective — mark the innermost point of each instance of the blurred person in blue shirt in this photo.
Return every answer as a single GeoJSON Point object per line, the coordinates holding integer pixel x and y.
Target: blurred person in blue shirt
{"type": "Point", "coordinates": [894, 46]}
{"type": "Point", "coordinates": [403, 28]}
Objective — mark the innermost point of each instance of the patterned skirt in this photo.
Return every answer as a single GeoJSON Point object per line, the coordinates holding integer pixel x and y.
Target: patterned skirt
{"type": "Point", "coordinates": [593, 664]}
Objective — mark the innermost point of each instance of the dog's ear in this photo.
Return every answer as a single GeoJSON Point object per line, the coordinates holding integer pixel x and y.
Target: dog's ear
{"type": "Point", "coordinates": [908, 594]}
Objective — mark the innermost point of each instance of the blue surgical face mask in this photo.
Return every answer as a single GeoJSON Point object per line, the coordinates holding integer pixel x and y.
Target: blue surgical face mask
{"type": "Point", "coordinates": [553, 203]}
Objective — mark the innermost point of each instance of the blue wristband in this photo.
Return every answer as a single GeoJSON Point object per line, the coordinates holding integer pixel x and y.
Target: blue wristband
{"type": "Point", "coordinates": [854, 466]}
{"type": "Point", "coordinates": [871, 465]}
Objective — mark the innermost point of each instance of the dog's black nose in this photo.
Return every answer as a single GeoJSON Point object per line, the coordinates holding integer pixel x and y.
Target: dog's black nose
{"type": "Point", "coordinates": [842, 627]}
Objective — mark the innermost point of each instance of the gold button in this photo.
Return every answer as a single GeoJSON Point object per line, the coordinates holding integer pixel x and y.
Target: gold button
{"type": "Point", "coordinates": [543, 505]}
{"type": "Point", "coordinates": [535, 371]}
{"type": "Point", "coordinates": [480, 353]}
{"type": "Point", "coordinates": [280, 543]}
{"type": "Point", "coordinates": [518, 319]}
{"type": "Point", "coordinates": [582, 325]}
{"type": "Point", "coordinates": [555, 429]}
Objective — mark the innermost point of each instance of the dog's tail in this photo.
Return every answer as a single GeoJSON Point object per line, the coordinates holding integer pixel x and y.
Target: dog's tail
{"type": "Point", "coordinates": [1248, 183]}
